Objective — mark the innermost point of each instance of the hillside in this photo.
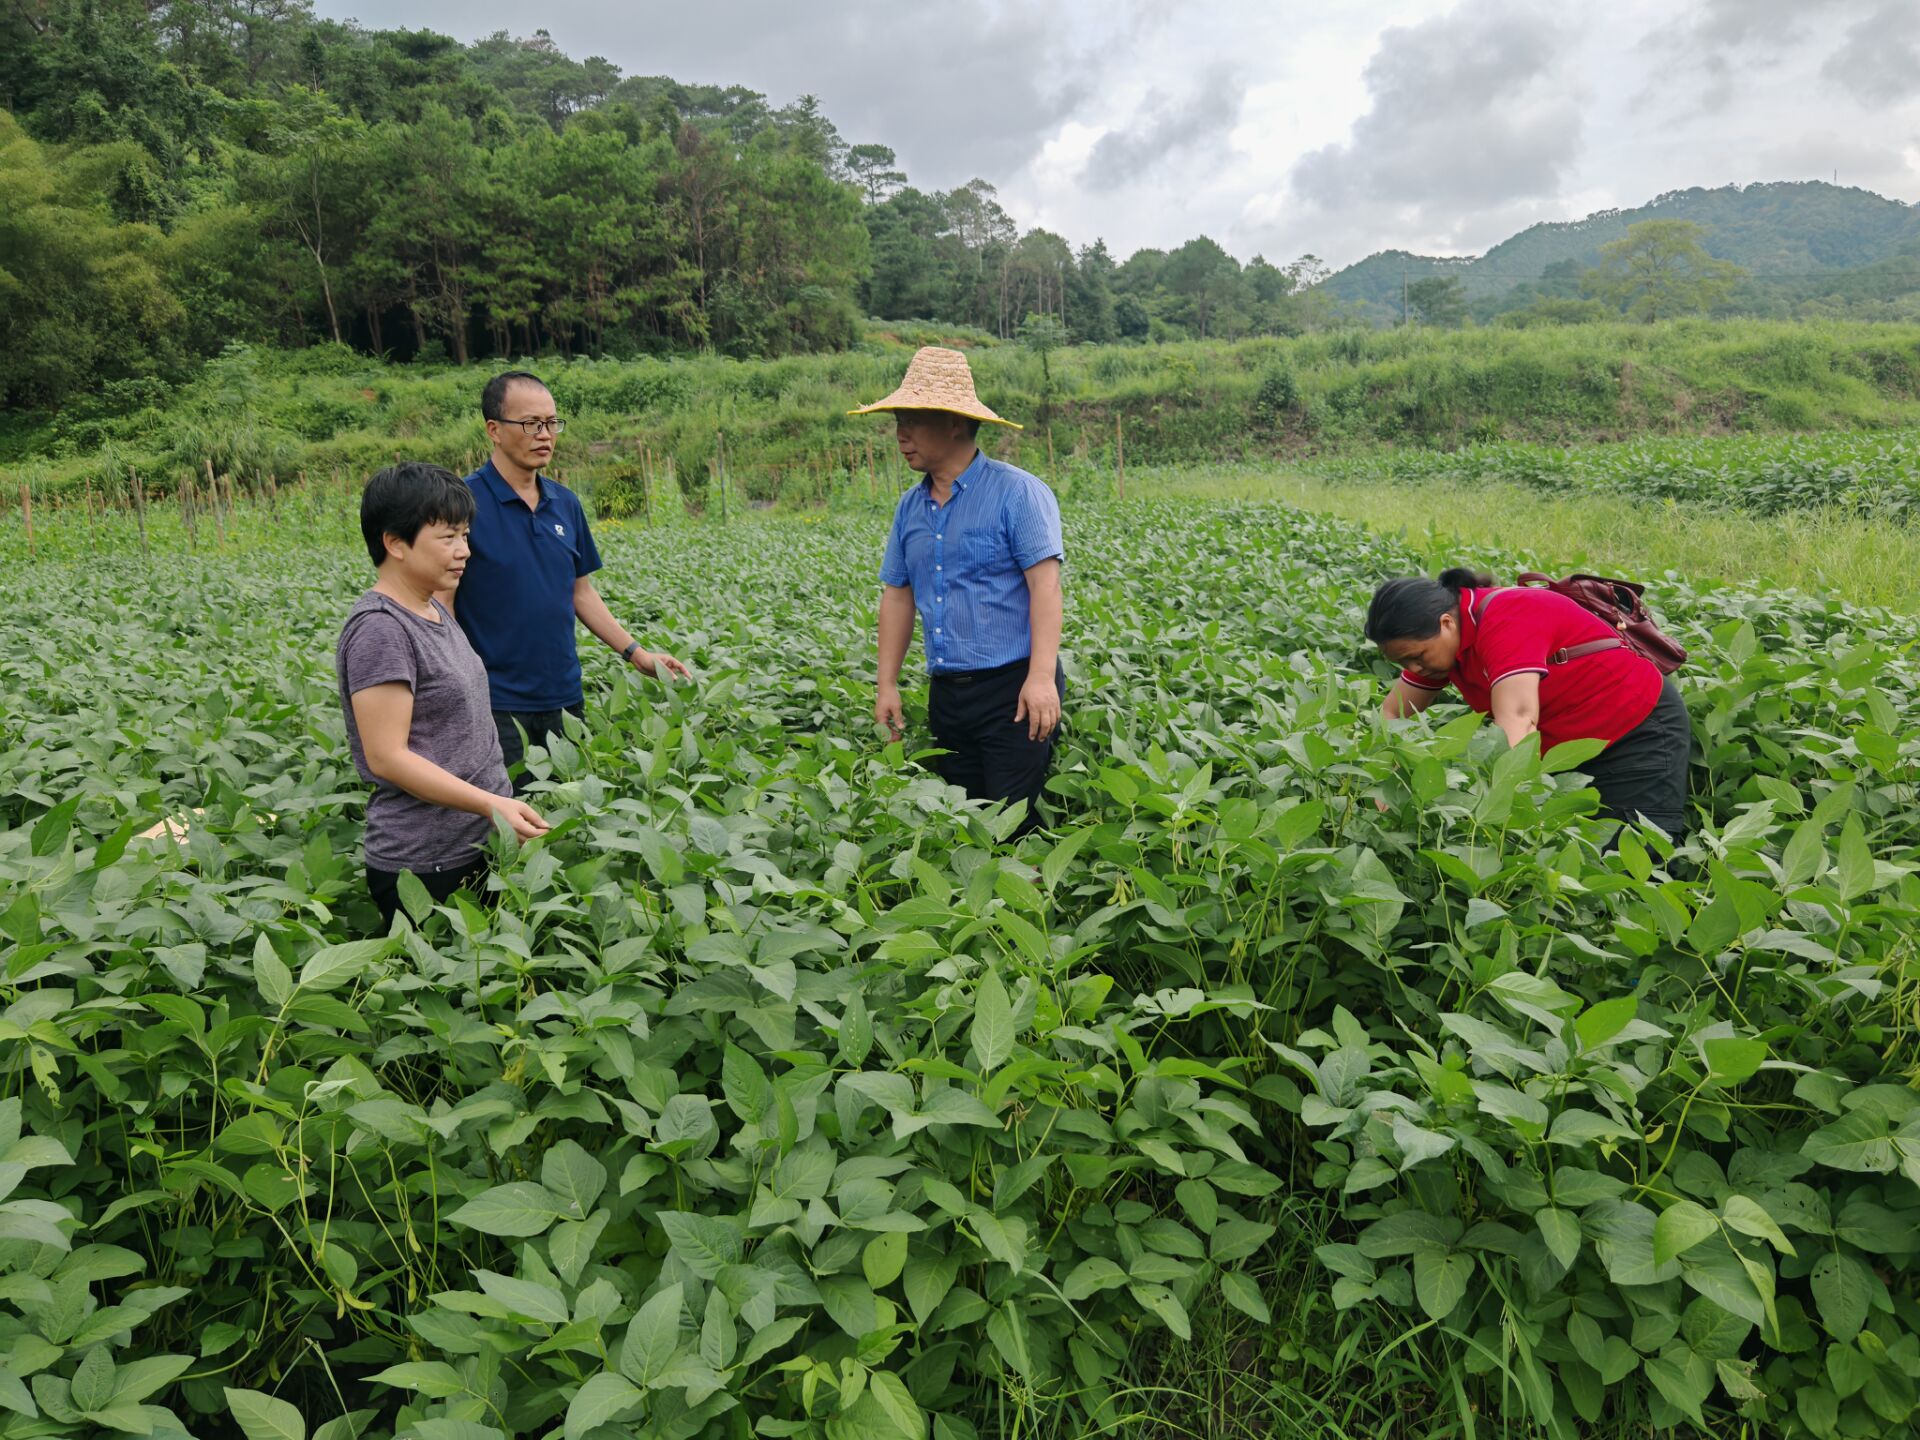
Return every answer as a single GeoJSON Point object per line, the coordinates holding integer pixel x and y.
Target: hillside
{"type": "Point", "coordinates": [1785, 229]}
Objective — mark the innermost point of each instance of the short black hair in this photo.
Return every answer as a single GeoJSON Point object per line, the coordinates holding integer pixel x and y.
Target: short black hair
{"type": "Point", "coordinates": [973, 426]}
{"type": "Point", "coordinates": [404, 499]}
{"type": "Point", "coordinates": [1410, 609]}
{"type": "Point", "coordinates": [494, 395]}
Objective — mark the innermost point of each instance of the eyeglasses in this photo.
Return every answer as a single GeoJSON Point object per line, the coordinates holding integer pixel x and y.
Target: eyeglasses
{"type": "Point", "coordinates": [538, 427]}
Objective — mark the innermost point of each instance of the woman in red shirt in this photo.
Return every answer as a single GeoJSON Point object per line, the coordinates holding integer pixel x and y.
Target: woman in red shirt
{"type": "Point", "coordinates": [1505, 650]}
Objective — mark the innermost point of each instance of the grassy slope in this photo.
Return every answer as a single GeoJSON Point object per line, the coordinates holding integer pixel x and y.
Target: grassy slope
{"type": "Point", "coordinates": [786, 430]}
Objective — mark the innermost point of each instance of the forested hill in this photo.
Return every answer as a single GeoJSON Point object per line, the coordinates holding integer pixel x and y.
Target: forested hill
{"type": "Point", "coordinates": [1788, 229]}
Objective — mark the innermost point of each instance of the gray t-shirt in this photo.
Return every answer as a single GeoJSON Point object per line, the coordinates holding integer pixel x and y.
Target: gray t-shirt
{"type": "Point", "coordinates": [382, 643]}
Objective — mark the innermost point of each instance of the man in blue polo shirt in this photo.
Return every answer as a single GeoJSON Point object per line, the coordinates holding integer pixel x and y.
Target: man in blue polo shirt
{"type": "Point", "coordinates": [528, 579]}
{"type": "Point", "coordinates": [975, 550]}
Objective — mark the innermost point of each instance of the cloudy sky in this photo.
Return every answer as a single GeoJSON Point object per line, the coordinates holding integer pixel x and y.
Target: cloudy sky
{"type": "Point", "coordinates": [1278, 127]}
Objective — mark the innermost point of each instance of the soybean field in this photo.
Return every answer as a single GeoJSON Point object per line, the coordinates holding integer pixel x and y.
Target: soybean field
{"type": "Point", "coordinates": [1303, 1077]}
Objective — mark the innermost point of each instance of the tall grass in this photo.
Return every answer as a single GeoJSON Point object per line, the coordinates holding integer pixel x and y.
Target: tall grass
{"type": "Point", "coordinates": [783, 431]}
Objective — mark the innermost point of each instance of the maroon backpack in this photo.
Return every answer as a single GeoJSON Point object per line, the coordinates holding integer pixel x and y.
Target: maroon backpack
{"type": "Point", "coordinates": [1618, 603]}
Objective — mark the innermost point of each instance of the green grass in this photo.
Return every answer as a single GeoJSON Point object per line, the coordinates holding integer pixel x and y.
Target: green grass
{"type": "Point", "coordinates": [1859, 559]}
{"type": "Point", "coordinates": [260, 415]}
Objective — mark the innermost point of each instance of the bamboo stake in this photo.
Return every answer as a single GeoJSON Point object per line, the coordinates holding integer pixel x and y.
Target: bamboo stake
{"type": "Point", "coordinates": [1120, 460]}
{"type": "Point", "coordinates": [1053, 475]}
{"type": "Point", "coordinates": [213, 493]}
{"type": "Point", "coordinates": [26, 511]}
{"type": "Point", "coordinates": [870, 479]}
{"type": "Point", "coordinates": [93, 543]}
{"type": "Point", "coordinates": [139, 509]}
{"type": "Point", "coordinates": [187, 508]}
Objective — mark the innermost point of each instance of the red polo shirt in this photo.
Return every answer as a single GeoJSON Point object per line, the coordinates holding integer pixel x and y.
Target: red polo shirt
{"type": "Point", "coordinates": [1600, 696]}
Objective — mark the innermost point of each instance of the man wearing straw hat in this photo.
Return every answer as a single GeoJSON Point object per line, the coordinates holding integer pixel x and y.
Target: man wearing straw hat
{"type": "Point", "coordinates": [976, 550]}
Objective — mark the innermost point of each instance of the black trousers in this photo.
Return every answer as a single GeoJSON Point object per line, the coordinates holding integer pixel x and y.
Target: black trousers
{"type": "Point", "coordinates": [1644, 772]}
{"type": "Point", "coordinates": [538, 724]}
{"type": "Point", "coordinates": [384, 886]}
{"type": "Point", "coordinates": [989, 755]}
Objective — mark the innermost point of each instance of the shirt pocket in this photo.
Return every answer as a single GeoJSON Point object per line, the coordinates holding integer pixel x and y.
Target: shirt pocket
{"type": "Point", "coordinates": [984, 549]}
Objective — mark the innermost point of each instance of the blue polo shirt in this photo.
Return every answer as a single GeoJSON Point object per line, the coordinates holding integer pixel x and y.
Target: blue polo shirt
{"type": "Point", "coordinates": [516, 600]}
{"type": "Point", "coordinates": [966, 561]}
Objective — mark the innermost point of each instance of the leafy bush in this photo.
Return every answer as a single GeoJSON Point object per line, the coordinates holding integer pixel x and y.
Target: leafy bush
{"type": "Point", "coordinates": [777, 1093]}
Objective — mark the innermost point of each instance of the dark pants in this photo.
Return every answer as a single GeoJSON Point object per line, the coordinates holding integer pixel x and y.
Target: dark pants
{"type": "Point", "coordinates": [1644, 772]}
{"type": "Point", "coordinates": [384, 885]}
{"type": "Point", "coordinates": [538, 724]}
{"type": "Point", "coordinates": [989, 755]}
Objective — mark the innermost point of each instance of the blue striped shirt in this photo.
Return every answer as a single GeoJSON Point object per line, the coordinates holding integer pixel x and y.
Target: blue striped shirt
{"type": "Point", "coordinates": [965, 562]}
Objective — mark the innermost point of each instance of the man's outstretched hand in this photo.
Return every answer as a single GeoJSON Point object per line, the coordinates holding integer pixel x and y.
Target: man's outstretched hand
{"type": "Point", "coordinates": [660, 664]}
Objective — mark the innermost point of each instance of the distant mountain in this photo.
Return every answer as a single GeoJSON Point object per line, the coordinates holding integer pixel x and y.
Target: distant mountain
{"type": "Point", "coordinates": [1789, 228]}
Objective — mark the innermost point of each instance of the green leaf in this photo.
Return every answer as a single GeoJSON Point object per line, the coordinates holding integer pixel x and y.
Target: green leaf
{"type": "Point", "coordinates": [1861, 1141]}
{"type": "Point", "coordinates": [745, 1085]}
{"type": "Point", "coordinates": [1440, 1282]}
{"type": "Point", "coordinates": [880, 1414]}
{"type": "Point", "coordinates": [1854, 874]}
{"type": "Point", "coordinates": [335, 965]}
{"type": "Point", "coordinates": [573, 1177]}
{"type": "Point", "coordinates": [414, 897]}
{"type": "Point", "coordinates": [1681, 1226]}
{"type": "Point", "coordinates": [92, 1384]}
{"type": "Point", "coordinates": [992, 1032]}
{"type": "Point", "coordinates": [1561, 1232]}
{"type": "Point", "coordinates": [526, 1299]}
{"type": "Point", "coordinates": [1239, 1291]}
{"type": "Point", "coordinates": [270, 976]}
{"type": "Point", "coordinates": [1730, 1061]}
{"type": "Point", "coordinates": [1090, 1276]}
{"type": "Point", "coordinates": [1600, 1023]}
{"type": "Point", "coordinates": [50, 833]}
{"type": "Point", "coordinates": [1159, 1300]}
{"type": "Point", "coordinates": [894, 1398]}
{"type": "Point", "coordinates": [1843, 1289]}
{"type": "Point", "coordinates": [1685, 1379]}
{"type": "Point", "coordinates": [605, 1398]}
{"type": "Point", "coordinates": [1747, 1216]}
{"type": "Point", "coordinates": [653, 1335]}
{"type": "Point", "coordinates": [434, 1379]}
{"type": "Point", "coordinates": [519, 1209]}
{"type": "Point", "coordinates": [261, 1417]}
{"type": "Point", "coordinates": [884, 1258]}
{"type": "Point", "coordinates": [570, 1246]}
{"type": "Point", "coordinates": [926, 1281]}
{"type": "Point", "coordinates": [706, 1243]}
{"type": "Point", "coordinates": [856, 1031]}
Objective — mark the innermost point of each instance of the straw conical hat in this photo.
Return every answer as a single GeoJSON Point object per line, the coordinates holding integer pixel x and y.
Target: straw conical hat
{"type": "Point", "coordinates": [937, 379]}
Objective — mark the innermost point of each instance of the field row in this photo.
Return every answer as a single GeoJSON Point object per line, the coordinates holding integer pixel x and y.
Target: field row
{"type": "Point", "coordinates": [1874, 474]}
{"type": "Point", "coordinates": [778, 1094]}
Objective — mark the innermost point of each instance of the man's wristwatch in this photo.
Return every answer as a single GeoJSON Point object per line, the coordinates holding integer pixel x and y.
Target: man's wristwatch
{"type": "Point", "coordinates": [627, 654]}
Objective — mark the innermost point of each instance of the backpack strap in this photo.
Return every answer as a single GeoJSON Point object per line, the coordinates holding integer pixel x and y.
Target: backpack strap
{"type": "Point", "coordinates": [1567, 652]}
{"type": "Point", "coordinates": [1589, 647]}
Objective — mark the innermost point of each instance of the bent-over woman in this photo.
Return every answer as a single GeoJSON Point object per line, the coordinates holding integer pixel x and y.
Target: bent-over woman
{"type": "Point", "coordinates": [1503, 649]}
{"type": "Point", "coordinates": [415, 696]}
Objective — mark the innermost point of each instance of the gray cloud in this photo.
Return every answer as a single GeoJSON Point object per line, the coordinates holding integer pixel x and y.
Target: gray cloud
{"type": "Point", "coordinates": [1469, 110]}
{"type": "Point", "coordinates": [1879, 64]}
{"type": "Point", "coordinates": [1165, 128]}
{"type": "Point", "coordinates": [1725, 43]}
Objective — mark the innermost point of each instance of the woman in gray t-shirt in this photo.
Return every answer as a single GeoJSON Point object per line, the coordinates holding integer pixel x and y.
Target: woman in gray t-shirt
{"type": "Point", "coordinates": [414, 695]}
